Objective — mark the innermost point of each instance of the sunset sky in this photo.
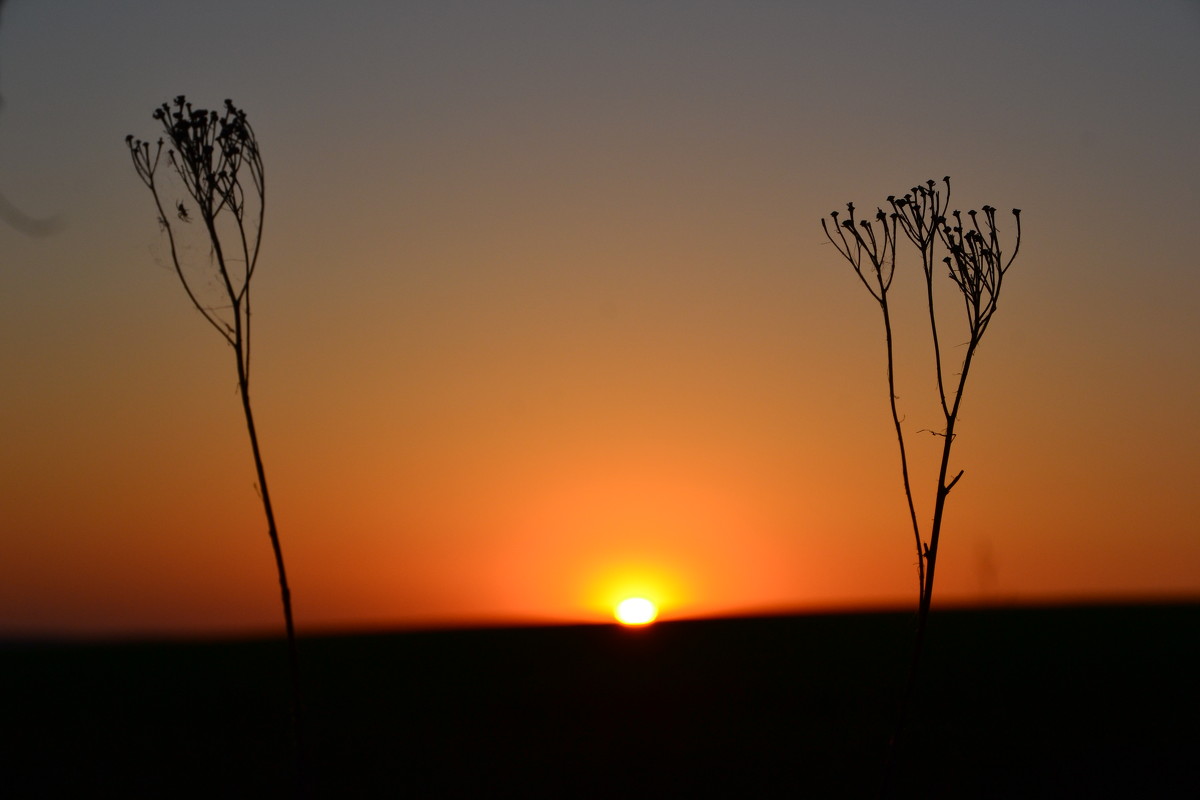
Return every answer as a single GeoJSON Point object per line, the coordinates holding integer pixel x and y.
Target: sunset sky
{"type": "Point", "coordinates": [545, 315]}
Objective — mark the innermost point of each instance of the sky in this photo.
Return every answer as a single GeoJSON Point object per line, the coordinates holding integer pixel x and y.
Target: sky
{"type": "Point", "coordinates": [545, 316]}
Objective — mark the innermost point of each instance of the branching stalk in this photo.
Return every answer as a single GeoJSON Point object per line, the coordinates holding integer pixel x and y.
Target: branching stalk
{"type": "Point", "coordinates": [976, 266]}
{"type": "Point", "coordinates": [211, 154]}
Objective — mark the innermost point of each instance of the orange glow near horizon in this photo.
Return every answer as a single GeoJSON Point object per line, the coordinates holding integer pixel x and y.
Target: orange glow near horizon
{"type": "Point", "coordinates": [654, 586]}
{"type": "Point", "coordinates": [661, 521]}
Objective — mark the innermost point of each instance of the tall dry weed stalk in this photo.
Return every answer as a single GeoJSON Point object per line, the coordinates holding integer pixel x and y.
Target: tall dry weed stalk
{"type": "Point", "coordinates": [976, 263]}
{"type": "Point", "coordinates": [216, 158]}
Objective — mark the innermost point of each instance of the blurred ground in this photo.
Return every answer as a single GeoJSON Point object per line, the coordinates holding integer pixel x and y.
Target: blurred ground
{"type": "Point", "coordinates": [1053, 702]}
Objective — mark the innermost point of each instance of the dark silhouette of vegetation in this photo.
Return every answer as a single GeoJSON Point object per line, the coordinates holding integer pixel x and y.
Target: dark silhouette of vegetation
{"type": "Point", "coordinates": [976, 262]}
{"type": "Point", "coordinates": [217, 158]}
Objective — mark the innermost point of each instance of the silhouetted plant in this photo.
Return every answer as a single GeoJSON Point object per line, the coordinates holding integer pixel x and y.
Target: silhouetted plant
{"type": "Point", "coordinates": [217, 158]}
{"type": "Point", "coordinates": [977, 265]}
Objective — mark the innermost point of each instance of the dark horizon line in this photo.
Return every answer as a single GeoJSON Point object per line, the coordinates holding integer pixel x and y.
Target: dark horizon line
{"type": "Point", "coordinates": [16, 639]}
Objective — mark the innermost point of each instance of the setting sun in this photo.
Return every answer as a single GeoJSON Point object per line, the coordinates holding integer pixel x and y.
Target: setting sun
{"type": "Point", "coordinates": [636, 611]}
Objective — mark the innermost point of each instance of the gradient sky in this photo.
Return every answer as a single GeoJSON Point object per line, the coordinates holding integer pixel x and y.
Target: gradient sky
{"type": "Point", "coordinates": [545, 314]}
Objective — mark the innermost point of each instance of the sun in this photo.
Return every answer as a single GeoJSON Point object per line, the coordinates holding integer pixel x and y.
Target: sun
{"type": "Point", "coordinates": [636, 611]}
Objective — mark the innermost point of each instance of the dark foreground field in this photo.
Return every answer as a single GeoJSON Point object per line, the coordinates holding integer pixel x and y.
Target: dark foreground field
{"type": "Point", "coordinates": [1062, 702]}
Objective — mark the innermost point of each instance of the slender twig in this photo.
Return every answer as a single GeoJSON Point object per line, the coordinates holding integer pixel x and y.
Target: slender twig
{"type": "Point", "coordinates": [876, 273]}
{"type": "Point", "coordinates": [921, 214]}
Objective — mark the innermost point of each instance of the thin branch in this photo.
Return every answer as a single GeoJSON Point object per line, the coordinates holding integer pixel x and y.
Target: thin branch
{"type": "Point", "coordinates": [880, 253]}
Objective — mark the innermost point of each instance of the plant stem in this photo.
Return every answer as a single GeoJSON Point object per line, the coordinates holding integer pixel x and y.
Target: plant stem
{"type": "Point", "coordinates": [273, 532]}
